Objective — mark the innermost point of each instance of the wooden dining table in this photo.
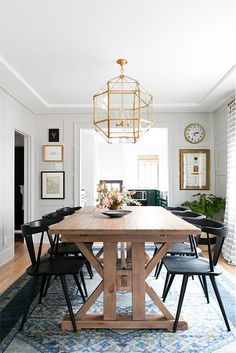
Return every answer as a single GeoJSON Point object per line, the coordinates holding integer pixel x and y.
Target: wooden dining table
{"type": "Point", "coordinates": [123, 262]}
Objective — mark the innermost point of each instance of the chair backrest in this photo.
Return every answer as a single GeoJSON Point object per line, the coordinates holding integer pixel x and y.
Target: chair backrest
{"type": "Point", "coordinates": [188, 214]}
{"type": "Point", "coordinates": [216, 233]}
{"type": "Point", "coordinates": [53, 218]}
{"type": "Point", "coordinates": [76, 208]}
{"type": "Point", "coordinates": [66, 211]}
{"type": "Point", "coordinates": [177, 208]}
{"type": "Point", "coordinates": [30, 229]}
{"type": "Point", "coordinates": [218, 230]}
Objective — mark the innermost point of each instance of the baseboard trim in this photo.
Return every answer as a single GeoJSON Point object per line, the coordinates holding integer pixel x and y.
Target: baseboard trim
{"type": "Point", "coordinates": [6, 255]}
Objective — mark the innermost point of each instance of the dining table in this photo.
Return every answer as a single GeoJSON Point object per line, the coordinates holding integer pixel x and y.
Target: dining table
{"type": "Point", "coordinates": [123, 263]}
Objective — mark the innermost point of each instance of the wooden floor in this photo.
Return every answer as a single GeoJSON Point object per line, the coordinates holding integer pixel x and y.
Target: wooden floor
{"type": "Point", "coordinates": [230, 269]}
{"type": "Point", "coordinates": [13, 269]}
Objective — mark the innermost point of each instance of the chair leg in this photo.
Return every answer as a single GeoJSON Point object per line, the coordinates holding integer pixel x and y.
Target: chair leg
{"type": "Point", "coordinates": [79, 287]}
{"type": "Point", "coordinates": [181, 298]}
{"type": "Point", "coordinates": [42, 289]}
{"type": "Point", "coordinates": [206, 289]}
{"type": "Point", "coordinates": [166, 282]}
{"type": "Point", "coordinates": [203, 283]}
{"type": "Point", "coordinates": [31, 297]}
{"type": "Point", "coordinates": [65, 289]}
{"type": "Point", "coordinates": [168, 287]}
{"type": "Point", "coordinates": [89, 269]}
{"type": "Point", "coordinates": [217, 293]}
{"type": "Point", "coordinates": [154, 253]}
{"type": "Point", "coordinates": [83, 283]}
{"type": "Point", "coordinates": [47, 285]}
{"type": "Point", "coordinates": [158, 269]}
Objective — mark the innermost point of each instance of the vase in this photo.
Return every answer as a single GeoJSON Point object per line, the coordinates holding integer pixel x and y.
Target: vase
{"type": "Point", "coordinates": [115, 206]}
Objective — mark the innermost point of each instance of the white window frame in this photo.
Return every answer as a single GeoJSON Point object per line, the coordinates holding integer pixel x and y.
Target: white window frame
{"type": "Point", "coordinates": [151, 159]}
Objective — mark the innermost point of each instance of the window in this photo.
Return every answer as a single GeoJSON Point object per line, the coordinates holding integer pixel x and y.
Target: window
{"type": "Point", "coordinates": [230, 242]}
{"type": "Point", "coordinates": [148, 171]}
{"type": "Point", "coordinates": [115, 184]}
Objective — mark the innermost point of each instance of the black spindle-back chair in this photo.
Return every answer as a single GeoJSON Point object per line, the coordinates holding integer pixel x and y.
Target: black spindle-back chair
{"type": "Point", "coordinates": [41, 268]}
{"type": "Point", "coordinates": [190, 266]}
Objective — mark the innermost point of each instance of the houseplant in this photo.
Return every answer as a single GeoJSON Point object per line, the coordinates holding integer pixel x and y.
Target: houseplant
{"type": "Point", "coordinates": [113, 199]}
{"type": "Point", "coordinates": [208, 204]}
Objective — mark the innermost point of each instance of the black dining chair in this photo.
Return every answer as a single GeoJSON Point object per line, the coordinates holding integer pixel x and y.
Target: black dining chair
{"type": "Point", "coordinates": [72, 248]}
{"type": "Point", "coordinates": [41, 268]}
{"type": "Point", "coordinates": [181, 249]}
{"type": "Point", "coordinates": [191, 266]}
{"type": "Point", "coordinates": [58, 248]}
{"type": "Point", "coordinates": [66, 248]}
{"type": "Point", "coordinates": [67, 211]}
{"type": "Point", "coordinates": [177, 208]}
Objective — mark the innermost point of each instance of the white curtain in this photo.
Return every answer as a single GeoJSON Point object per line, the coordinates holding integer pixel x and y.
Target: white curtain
{"type": "Point", "coordinates": [229, 249]}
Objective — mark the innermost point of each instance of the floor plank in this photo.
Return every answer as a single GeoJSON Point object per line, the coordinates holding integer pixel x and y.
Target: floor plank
{"type": "Point", "coordinates": [16, 267]}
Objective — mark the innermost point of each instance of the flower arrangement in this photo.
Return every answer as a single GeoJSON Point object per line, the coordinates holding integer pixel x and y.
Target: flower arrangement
{"type": "Point", "coordinates": [113, 199]}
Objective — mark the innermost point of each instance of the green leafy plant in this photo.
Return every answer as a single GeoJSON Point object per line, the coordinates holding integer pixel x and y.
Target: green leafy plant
{"type": "Point", "coordinates": [208, 204]}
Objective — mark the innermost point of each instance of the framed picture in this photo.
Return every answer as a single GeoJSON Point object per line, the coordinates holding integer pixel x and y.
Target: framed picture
{"type": "Point", "coordinates": [52, 185]}
{"type": "Point", "coordinates": [194, 169]}
{"type": "Point", "coordinates": [53, 135]}
{"type": "Point", "coordinates": [53, 153]}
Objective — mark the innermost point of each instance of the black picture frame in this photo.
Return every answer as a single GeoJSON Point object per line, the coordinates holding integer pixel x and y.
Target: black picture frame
{"type": "Point", "coordinates": [52, 185]}
{"type": "Point", "coordinates": [53, 135]}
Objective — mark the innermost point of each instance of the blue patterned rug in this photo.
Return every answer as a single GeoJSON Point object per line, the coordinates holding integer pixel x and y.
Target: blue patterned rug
{"type": "Point", "coordinates": [206, 333]}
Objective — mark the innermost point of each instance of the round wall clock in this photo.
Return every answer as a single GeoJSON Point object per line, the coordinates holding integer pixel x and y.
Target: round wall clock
{"type": "Point", "coordinates": [194, 133]}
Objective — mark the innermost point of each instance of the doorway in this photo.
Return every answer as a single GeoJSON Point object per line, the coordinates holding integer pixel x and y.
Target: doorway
{"type": "Point", "coordinates": [19, 185]}
{"type": "Point", "coordinates": [143, 165]}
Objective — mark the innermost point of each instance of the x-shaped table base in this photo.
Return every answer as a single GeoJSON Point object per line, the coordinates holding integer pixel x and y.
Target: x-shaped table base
{"type": "Point", "coordinates": [127, 279]}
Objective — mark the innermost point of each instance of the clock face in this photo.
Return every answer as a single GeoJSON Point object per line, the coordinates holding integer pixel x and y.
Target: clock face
{"type": "Point", "coordinates": [194, 133]}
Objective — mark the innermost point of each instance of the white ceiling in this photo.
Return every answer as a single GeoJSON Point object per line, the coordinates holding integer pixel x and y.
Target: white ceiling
{"type": "Point", "coordinates": [55, 54]}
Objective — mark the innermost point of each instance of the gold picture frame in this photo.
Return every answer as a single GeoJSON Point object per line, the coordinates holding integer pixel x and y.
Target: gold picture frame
{"type": "Point", "coordinates": [194, 167]}
{"type": "Point", "coordinates": [53, 153]}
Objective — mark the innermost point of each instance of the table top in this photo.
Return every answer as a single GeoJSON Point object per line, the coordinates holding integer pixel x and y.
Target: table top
{"type": "Point", "coordinates": [147, 223]}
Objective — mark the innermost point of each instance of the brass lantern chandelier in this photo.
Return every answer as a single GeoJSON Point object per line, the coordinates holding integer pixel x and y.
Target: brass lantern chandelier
{"type": "Point", "coordinates": [122, 109]}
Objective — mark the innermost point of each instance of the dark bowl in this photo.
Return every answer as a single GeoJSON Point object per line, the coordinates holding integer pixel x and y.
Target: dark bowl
{"type": "Point", "coordinates": [116, 213]}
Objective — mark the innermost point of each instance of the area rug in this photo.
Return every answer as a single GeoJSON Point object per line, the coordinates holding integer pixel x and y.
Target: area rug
{"type": "Point", "coordinates": [206, 333]}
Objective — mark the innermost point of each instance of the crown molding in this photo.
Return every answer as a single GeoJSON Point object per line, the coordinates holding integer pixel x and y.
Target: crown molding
{"type": "Point", "coordinates": [228, 75]}
{"type": "Point", "coordinates": [15, 85]}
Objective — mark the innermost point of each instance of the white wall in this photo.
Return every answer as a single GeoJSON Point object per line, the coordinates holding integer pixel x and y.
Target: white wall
{"type": "Point", "coordinates": [88, 165]}
{"type": "Point", "coordinates": [119, 161]}
{"type": "Point", "coordinates": [70, 136]}
{"type": "Point", "coordinates": [176, 122]}
{"type": "Point", "coordinates": [13, 116]}
{"type": "Point", "coordinates": [221, 117]}
{"type": "Point", "coordinates": [65, 125]}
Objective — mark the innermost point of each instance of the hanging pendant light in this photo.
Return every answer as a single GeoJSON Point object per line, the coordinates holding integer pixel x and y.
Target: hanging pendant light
{"type": "Point", "coordinates": [122, 109]}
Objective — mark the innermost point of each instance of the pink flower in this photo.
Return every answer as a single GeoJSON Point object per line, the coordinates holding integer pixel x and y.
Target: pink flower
{"type": "Point", "coordinates": [119, 197]}
{"type": "Point", "coordinates": [113, 197]}
{"type": "Point", "coordinates": [101, 187]}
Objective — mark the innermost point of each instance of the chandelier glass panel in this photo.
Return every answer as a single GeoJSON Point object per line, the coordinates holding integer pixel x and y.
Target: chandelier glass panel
{"type": "Point", "coordinates": [122, 109]}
